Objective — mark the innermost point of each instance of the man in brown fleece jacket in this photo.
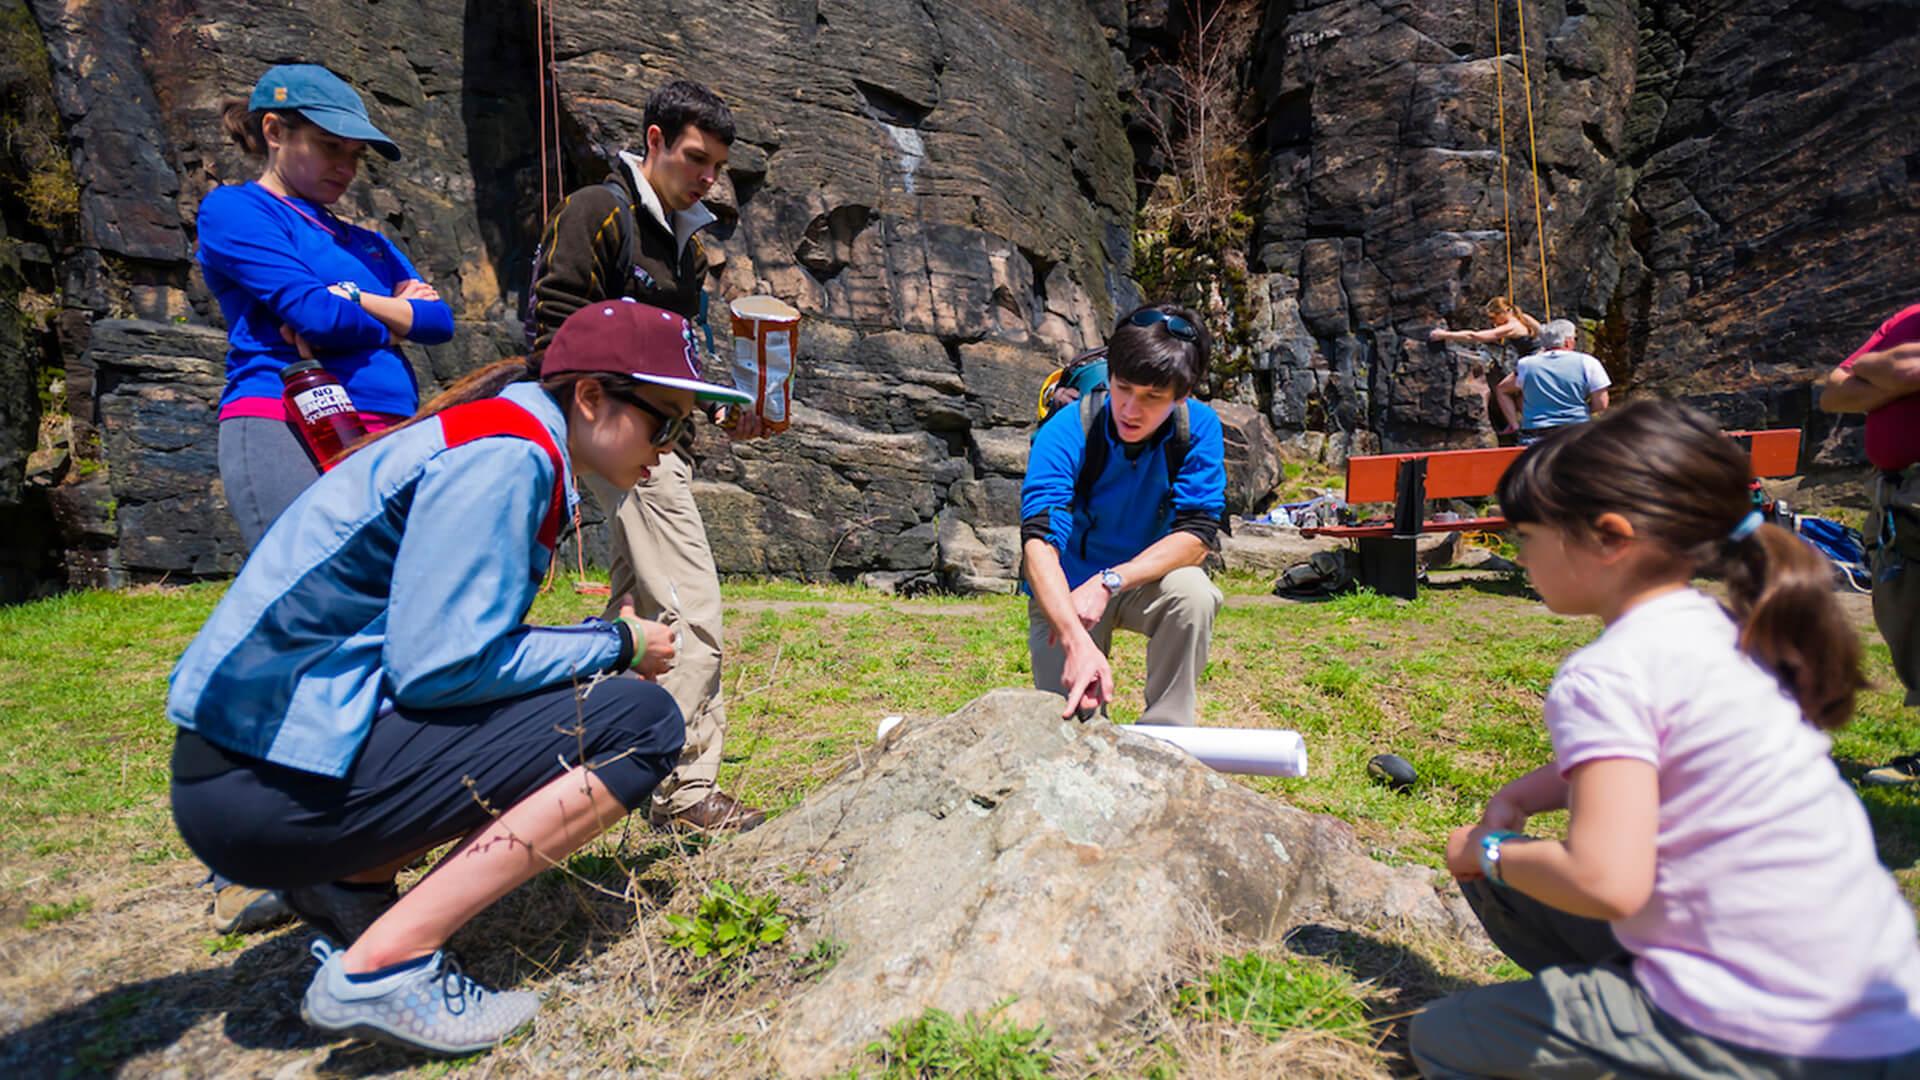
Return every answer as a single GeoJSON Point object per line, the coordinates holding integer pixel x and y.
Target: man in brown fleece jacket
{"type": "Point", "coordinates": [660, 552]}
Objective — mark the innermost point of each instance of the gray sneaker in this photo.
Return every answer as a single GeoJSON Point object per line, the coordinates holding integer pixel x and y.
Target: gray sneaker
{"type": "Point", "coordinates": [433, 1007]}
{"type": "Point", "coordinates": [341, 914]}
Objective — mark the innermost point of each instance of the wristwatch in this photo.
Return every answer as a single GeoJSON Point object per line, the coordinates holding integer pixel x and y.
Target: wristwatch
{"type": "Point", "coordinates": [353, 290]}
{"type": "Point", "coordinates": [1111, 579]}
{"type": "Point", "coordinates": [1490, 854]}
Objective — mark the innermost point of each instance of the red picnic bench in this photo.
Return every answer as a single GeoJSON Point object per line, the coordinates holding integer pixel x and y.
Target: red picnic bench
{"type": "Point", "coordinates": [1386, 546]}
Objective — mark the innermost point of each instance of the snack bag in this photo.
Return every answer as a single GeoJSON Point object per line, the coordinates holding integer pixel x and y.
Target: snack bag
{"type": "Point", "coordinates": [766, 334]}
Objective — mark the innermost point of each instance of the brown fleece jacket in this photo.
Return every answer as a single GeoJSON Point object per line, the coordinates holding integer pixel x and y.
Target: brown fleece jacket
{"type": "Point", "coordinates": [581, 248]}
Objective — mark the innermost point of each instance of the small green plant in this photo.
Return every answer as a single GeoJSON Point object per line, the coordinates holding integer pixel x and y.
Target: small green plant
{"type": "Point", "coordinates": [226, 943]}
{"type": "Point", "coordinates": [1273, 997]}
{"type": "Point", "coordinates": [728, 925]}
{"type": "Point", "coordinates": [934, 1044]}
{"type": "Point", "coordinates": [40, 915]}
{"type": "Point", "coordinates": [820, 959]}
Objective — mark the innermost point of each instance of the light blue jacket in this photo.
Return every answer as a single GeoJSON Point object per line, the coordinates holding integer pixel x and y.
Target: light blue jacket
{"type": "Point", "coordinates": [401, 577]}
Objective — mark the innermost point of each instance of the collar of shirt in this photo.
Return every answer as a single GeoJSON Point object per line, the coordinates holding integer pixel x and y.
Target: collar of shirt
{"type": "Point", "coordinates": [683, 224]}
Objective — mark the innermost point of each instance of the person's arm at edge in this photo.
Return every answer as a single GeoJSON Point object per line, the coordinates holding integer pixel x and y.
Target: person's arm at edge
{"type": "Point", "coordinates": [1598, 401]}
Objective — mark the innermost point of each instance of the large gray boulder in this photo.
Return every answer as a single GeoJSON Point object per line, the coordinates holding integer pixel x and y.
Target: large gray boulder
{"type": "Point", "coordinates": [1002, 853]}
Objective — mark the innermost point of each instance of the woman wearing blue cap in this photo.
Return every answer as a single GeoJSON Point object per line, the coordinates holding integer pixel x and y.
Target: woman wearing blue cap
{"type": "Point", "coordinates": [369, 688]}
{"type": "Point", "coordinates": [293, 280]}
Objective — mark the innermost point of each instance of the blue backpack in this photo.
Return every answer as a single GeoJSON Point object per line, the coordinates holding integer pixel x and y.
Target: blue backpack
{"type": "Point", "coordinates": [1841, 545]}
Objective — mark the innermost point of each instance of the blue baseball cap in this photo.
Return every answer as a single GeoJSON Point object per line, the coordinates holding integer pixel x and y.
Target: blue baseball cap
{"type": "Point", "coordinates": [324, 98]}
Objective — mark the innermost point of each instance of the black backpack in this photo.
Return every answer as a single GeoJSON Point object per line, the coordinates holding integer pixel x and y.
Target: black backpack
{"type": "Point", "coordinates": [624, 207]}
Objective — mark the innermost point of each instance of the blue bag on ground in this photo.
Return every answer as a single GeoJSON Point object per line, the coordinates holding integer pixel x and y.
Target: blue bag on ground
{"type": "Point", "coordinates": [1841, 545]}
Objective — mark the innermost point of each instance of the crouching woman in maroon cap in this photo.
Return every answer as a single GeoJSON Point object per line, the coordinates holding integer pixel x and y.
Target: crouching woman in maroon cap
{"type": "Point", "coordinates": [369, 689]}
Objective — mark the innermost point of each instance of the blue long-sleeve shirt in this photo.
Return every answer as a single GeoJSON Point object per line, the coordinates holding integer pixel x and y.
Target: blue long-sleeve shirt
{"type": "Point", "coordinates": [1130, 506]}
{"type": "Point", "coordinates": [403, 576]}
{"type": "Point", "coordinates": [269, 266]}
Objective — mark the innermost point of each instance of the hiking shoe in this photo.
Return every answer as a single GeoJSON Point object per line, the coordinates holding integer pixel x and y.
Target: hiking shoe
{"type": "Point", "coordinates": [341, 912]}
{"type": "Point", "coordinates": [1902, 770]}
{"type": "Point", "coordinates": [429, 1006]}
{"type": "Point", "coordinates": [242, 909]}
{"type": "Point", "coordinates": [715, 813]}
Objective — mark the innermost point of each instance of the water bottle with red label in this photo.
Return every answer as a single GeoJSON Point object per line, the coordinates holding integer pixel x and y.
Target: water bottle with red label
{"type": "Point", "coordinates": [325, 417]}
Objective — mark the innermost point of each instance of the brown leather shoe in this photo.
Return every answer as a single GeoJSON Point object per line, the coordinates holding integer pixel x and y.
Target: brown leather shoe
{"type": "Point", "coordinates": [715, 813]}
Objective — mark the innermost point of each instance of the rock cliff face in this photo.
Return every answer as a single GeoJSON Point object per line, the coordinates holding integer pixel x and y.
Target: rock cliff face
{"type": "Point", "coordinates": [949, 190]}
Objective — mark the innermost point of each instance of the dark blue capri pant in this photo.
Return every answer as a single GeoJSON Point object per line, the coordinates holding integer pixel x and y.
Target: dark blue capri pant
{"type": "Point", "coordinates": [274, 827]}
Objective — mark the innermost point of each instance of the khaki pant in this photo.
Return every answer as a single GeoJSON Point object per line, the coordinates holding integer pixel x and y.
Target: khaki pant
{"type": "Point", "coordinates": [1583, 1016]}
{"type": "Point", "coordinates": [661, 558]}
{"type": "Point", "coordinates": [1176, 615]}
{"type": "Point", "coordinates": [1893, 553]}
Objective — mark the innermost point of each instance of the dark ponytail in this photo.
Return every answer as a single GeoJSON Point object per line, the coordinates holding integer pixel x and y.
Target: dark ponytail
{"type": "Point", "coordinates": [486, 382]}
{"type": "Point", "coordinates": [1684, 485]}
{"type": "Point", "coordinates": [247, 129]}
{"type": "Point", "coordinates": [475, 385]}
{"type": "Point", "coordinates": [1782, 593]}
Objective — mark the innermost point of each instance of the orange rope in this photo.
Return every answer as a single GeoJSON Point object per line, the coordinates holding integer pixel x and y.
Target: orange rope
{"type": "Point", "coordinates": [540, 91]}
{"type": "Point", "coordinates": [1533, 161]}
{"type": "Point", "coordinates": [1500, 92]}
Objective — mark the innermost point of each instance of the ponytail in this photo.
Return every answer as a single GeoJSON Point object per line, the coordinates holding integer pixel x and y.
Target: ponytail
{"type": "Point", "coordinates": [1781, 592]}
{"type": "Point", "coordinates": [247, 128]}
{"type": "Point", "coordinates": [475, 385]}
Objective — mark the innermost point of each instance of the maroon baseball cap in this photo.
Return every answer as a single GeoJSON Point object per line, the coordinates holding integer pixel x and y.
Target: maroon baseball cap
{"type": "Point", "coordinates": [640, 341]}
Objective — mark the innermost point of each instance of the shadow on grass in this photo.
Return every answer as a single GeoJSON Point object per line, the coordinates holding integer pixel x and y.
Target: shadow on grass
{"type": "Point", "coordinates": [1508, 585]}
{"type": "Point", "coordinates": [1389, 965]}
{"type": "Point", "coordinates": [533, 932]}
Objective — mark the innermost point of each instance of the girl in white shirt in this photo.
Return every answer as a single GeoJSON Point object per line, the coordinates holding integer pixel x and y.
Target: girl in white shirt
{"type": "Point", "coordinates": [1717, 908]}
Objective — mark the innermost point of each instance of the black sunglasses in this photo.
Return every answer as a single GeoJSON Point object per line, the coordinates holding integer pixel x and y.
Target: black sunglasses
{"type": "Point", "coordinates": [1176, 325]}
{"type": "Point", "coordinates": [669, 429]}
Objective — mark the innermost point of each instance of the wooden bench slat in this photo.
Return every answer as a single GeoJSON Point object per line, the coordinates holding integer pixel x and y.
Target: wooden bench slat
{"type": "Point", "coordinates": [1385, 528]}
{"type": "Point", "coordinates": [1469, 474]}
{"type": "Point", "coordinates": [1451, 474]}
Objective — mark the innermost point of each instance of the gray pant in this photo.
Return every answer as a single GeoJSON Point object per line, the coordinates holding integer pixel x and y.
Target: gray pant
{"type": "Point", "coordinates": [263, 467]}
{"type": "Point", "coordinates": [1583, 1016]}
{"type": "Point", "coordinates": [1175, 613]}
{"type": "Point", "coordinates": [661, 559]}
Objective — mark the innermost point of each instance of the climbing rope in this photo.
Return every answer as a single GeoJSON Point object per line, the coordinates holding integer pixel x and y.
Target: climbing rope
{"type": "Point", "coordinates": [1533, 160]}
{"type": "Point", "coordinates": [1500, 94]}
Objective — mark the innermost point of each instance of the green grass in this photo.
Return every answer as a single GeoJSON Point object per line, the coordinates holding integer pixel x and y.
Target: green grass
{"type": "Point", "coordinates": [39, 915]}
{"type": "Point", "coordinates": [979, 1048]}
{"type": "Point", "coordinates": [1274, 997]}
{"type": "Point", "coordinates": [1454, 682]}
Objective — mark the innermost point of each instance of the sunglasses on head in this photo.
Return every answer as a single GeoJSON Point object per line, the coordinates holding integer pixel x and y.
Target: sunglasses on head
{"type": "Point", "coordinates": [1177, 326]}
{"type": "Point", "coordinates": [668, 429]}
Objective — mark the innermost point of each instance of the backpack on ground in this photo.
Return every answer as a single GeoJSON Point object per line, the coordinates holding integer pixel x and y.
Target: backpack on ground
{"type": "Point", "coordinates": [1843, 547]}
{"type": "Point", "coordinates": [1323, 574]}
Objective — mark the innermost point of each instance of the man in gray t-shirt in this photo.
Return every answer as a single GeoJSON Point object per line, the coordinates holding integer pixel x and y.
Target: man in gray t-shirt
{"type": "Point", "coordinates": [1556, 386]}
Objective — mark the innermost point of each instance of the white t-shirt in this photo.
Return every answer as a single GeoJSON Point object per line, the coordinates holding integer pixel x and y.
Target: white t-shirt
{"type": "Point", "coordinates": [1772, 924]}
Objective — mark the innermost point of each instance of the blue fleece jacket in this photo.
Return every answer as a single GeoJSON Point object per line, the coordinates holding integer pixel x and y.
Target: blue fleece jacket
{"type": "Point", "coordinates": [402, 576]}
{"type": "Point", "coordinates": [1130, 506]}
{"type": "Point", "coordinates": [268, 266]}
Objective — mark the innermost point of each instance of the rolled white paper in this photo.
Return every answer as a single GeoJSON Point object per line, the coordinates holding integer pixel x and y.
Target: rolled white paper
{"type": "Point", "coordinates": [1253, 751]}
{"type": "Point", "coordinates": [887, 723]}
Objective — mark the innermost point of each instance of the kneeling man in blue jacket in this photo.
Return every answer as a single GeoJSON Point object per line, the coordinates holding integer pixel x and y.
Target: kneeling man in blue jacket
{"type": "Point", "coordinates": [1122, 502]}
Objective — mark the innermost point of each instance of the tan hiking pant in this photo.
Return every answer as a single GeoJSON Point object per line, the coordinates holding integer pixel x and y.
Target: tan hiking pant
{"type": "Point", "coordinates": [1176, 615]}
{"type": "Point", "coordinates": [661, 558]}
